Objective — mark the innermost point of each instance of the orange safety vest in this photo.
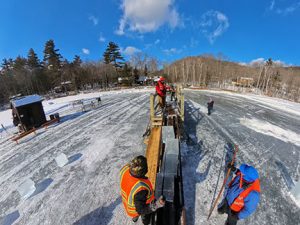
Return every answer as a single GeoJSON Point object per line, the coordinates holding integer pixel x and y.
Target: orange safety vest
{"type": "Point", "coordinates": [238, 203]}
{"type": "Point", "coordinates": [130, 186]}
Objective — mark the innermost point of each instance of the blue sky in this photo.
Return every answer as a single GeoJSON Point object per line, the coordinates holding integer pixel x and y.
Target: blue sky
{"type": "Point", "coordinates": [243, 31]}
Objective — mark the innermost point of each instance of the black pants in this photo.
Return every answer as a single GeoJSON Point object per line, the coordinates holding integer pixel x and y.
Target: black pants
{"type": "Point", "coordinates": [209, 110]}
{"type": "Point", "coordinates": [146, 219]}
{"type": "Point", "coordinates": [232, 216]}
{"type": "Point", "coordinates": [173, 96]}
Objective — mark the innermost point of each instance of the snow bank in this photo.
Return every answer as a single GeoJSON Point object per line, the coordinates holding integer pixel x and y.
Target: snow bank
{"type": "Point", "coordinates": [271, 130]}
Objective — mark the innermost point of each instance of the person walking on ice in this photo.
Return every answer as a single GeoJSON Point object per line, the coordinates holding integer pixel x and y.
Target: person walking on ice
{"type": "Point", "coordinates": [137, 192]}
{"type": "Point", "coordinates": [242, 196]}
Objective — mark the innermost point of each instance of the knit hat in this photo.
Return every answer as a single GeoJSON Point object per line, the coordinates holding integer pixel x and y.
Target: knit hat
{"type": "Point", "coordinates": [138, 166]}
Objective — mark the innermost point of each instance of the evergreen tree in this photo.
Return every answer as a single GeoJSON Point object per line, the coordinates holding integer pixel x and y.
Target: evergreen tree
{"type": "Point", "coordinates": [77, 61]}
{"type": "Point", "coordinates": [7, 65]}
{"type": "Point", "coordinates": [22, 76]}
{"type": "Point", "coordinates": [146, 70]}
{"type": "Point", "coordinates": [52, 59]}
{"type": "Point", "coordinates": [39, 77]}
{"type": "Point", "coordinates": [52, 63]}
{"type": "Point", "coordinates": [76, 72]}
{"type": "Point", "coordinates": [33, 61]}
{"type": "Point", "coordinates": [136, 74]}
{"type": "Point", "coordinates": [113, 55]}
{"type": "Point", "coordinates": [126, 71]}
{"type": "Point", "coordinates": [19, 63]}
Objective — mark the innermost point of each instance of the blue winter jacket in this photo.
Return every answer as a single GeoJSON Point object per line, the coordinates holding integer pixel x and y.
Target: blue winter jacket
{"type": "Point", "coordinates": [251, 201]}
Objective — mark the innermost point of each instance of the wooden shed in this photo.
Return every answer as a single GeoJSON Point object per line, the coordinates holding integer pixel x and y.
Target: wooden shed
{"type": "Point", "coordinates": [28, 111]}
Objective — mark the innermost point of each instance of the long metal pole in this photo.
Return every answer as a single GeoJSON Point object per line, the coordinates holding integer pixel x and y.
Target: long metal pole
{"type": "Point", "coordinates": [224, 183]}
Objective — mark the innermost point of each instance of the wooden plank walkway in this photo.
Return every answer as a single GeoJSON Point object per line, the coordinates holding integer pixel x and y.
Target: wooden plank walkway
{"type": "Point", "coordinates": [153, 154]}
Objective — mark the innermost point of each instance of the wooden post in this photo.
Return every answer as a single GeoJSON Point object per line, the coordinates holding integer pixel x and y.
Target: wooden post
{"type": "Point", "coordinates": [151, 107]}
{"type": "Point", "coordinates": [182, 107]}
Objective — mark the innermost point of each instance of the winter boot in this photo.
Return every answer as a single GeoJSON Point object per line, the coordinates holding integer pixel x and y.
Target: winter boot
{"type": "Point", "coordinates": [135, 219]}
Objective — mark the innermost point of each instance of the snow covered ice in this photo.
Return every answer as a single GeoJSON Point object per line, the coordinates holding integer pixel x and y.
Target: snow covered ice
{"type": "Point", "coordinates": [87, 192]}
{"type": "Point", "coordinates": [61, 160]}
{"type": "Point", "coordinates": [27, 188]}
{"type": "Point", "coordinates": [296, 193]}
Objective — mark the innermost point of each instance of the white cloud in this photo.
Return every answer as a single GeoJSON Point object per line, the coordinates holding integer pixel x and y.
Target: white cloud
{"type": "Point", "coordinates": [242, 63]}
{"type": "Point", "coordinates": [272, 5]}
{"type": "Point", "coordinates": [130, 50]}
{"type": "Point", "coordinates": [279, 63]}
{"type": "Point", "coordinates": [257, 62]}
{"type": "Point", "coordinates": [85, 51]}
{"type": "Point", "coordinates": [262, 61]}
{"type": "Point", "coordinates": [213, 25]}
{"type": "Point", "coordinates": [172, 51]}
{"type": "Point", "coordinates": [94, 19]}
{"type": "Point", "coordinates": [147, 15]}
{"type": "Point", "coordinates": [102, 38]}
{"type": "Point", "coordinates": [283, 9]}
{"type": "Point", "coordinates": [193, 42]}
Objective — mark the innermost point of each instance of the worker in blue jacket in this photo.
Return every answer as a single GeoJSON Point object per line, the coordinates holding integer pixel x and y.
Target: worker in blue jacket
{"type": "Point", "coordinates": [242, 196]}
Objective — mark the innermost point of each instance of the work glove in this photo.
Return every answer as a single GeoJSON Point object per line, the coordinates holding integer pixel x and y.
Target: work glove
{"type": "Point", "coordinates": [160, 202]}
{"type": "Point", "coordinates": [232, 167]}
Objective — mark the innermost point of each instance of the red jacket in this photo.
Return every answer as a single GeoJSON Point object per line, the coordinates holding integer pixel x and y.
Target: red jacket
{"type": "Point", "coordinates": [161, 89]}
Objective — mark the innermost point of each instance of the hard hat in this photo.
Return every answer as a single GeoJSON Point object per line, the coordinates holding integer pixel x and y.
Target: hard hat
{"type": "Point", "coordinates": [249, 173]}
{"type": "Point", "coordinates": [138, 166]}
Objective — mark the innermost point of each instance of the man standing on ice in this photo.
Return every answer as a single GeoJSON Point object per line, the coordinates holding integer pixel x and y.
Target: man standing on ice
{"type": "Point", "coordinates": [137, 192]}
{"type": "Point", "coordinates": [210, 106]}
{"type": "Point", "coordinates": [161, 92]}
{"type": "Point", "coordinates": [242, 196]}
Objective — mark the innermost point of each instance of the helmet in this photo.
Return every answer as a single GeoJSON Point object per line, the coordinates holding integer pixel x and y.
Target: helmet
{"type": "Point", "coordinates": [138, 166]}
{"type": "Point", "coordinates": [162, 79]}
{"type": "Point", "coordinates": [249, 173]}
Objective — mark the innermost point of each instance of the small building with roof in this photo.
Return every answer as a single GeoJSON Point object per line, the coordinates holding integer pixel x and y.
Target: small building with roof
{"type": "Point", "coordinates": [28, 111]}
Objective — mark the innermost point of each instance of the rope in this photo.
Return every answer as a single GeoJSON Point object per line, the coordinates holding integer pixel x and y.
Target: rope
{"type": "Point", "coordinates": [224, 183]}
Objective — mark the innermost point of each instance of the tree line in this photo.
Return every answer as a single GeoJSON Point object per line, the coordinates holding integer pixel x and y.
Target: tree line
{"type": "Point", "coordinates": [29, 75]}
{"type": "Point", "coordinates": [269, 78]}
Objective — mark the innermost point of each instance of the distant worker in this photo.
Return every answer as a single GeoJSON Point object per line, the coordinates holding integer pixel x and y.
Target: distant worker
{"type": "Point", "coordinates": [173, 92]}
{"type": "Point", "coordinates": [137, 192]}
{"type": "Point", "coordinates": [242, 196]}
{"type": "Point", "coordinates": [161, 92]}
{"type": "Point", "coordinates": [210, 106]}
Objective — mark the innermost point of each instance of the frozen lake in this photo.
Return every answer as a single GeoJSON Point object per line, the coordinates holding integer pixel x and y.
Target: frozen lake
{"type": "Point", "coordinates": [99, 142]}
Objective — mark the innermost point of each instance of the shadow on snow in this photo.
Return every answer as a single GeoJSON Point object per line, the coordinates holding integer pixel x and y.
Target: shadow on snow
{"type": "Point", "coordinates": [100, 216]}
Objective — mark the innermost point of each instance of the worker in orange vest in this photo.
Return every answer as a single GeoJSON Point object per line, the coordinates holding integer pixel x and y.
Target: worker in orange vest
{"type": "Point", "coordinates": [161, 92]}
{"type": "Point", "coordinates": [137, 192]}
{"type": "Point", "coordinates": [242, 196]}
